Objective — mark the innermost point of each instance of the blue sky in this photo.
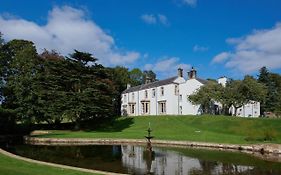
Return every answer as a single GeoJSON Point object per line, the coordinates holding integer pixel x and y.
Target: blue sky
{"type": "Point", "coordinates": [219, 38]}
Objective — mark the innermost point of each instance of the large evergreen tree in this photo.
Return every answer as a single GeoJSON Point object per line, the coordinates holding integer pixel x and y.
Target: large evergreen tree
{"type": "Point", "coordinates": [270, 81]}
{"type": "Point", "coordinates": [18, 71]}
{"type": "Point", "coordinates": [90, 91]}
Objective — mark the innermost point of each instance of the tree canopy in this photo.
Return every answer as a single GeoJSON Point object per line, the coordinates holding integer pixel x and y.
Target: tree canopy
{"type": "Point", "coordinates": [236, 93]}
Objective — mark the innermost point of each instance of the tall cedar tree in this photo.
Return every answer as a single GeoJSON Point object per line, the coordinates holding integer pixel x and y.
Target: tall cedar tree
{"type": "Point", "coordinates": [90, 91]}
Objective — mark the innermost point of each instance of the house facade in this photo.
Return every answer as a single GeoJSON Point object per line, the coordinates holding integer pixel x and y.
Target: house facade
{"type": "Point", "coordinates": [166, 97]}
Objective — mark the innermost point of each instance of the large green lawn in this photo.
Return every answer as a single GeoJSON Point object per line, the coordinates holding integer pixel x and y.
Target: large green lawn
{"type": "Point", "coordinates": [219, 129]}
{"type": "Point", "coordinates": [11, 166]}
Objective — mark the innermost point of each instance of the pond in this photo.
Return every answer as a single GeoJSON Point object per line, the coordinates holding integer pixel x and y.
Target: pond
{"type": "Point", "coordinates": [133, 159]}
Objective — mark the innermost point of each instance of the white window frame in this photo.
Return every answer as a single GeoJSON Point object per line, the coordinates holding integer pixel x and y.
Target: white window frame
{"type": "Point", "coordinates": [132, 108]}
{"type": "Point", "coordinates": [153, 92]}
{"type": "Point", "coordinates": [162, 107]}
{"type": "Point", "coordinates": [145, 94]}
{"type": "Point", "coordinates": [145, 107]}
{"type": "Point", "coordinates": [176, 89]}
{"type": "Point", "coordinates": [162, 91]}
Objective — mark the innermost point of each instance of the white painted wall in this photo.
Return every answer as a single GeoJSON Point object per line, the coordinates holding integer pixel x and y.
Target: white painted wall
{"type": "Point", "coordinates": [186, 89]}
{"type": "Point", "coordinates": [172, 99]}
{"type": "Point", "coordinates": [222, 81]}
{"type": "Point", "coordinates": [252, 109]}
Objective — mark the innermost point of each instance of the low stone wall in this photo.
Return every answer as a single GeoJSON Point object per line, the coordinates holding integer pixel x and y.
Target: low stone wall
{"type": "Point", "coordinates": [261, 148]}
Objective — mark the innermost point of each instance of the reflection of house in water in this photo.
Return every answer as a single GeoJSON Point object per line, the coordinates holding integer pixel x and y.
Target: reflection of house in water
{"type": "Point", "coordinates": [169, 162]}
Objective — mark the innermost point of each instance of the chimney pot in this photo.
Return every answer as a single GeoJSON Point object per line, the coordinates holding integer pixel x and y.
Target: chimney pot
{"type": "Point", "coordinates": [192, 73]}
{"type": "Point", "coordinates": [180, 72]}
{"type": "Point", "coordinates": [128, 86]}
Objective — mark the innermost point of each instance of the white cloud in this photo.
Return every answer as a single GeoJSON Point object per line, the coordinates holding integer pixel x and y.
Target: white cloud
{"type": "Point", "coordinates": [197, 48]}
{"type": "Point", "coordinates": [251, 52]}
{"type": "Point", "coordinates": [167, 67]}
{"type": "Point", "coordinates": [149, 18]}
{"type": "Point", "coordinates": [191, 3]}
{"type": "Point", "coordinates": [154, 19]}
{"type": "Point", "coordinates": [67, 29]}
{"type": "Point", "coordinates": [221, 57]}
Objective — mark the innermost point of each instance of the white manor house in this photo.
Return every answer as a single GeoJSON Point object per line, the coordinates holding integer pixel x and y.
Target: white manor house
{"type": "Point", "coordinates": [170, 97]}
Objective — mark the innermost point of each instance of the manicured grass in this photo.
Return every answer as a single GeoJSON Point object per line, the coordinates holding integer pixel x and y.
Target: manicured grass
{"type": "Point", "coordinates": [11, 166]}
{"type": "Point", "coordinates": [218, 129]}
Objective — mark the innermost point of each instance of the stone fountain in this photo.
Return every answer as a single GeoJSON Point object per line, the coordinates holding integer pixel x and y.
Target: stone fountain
{"type": "Point", "coordinates": [148, 154]}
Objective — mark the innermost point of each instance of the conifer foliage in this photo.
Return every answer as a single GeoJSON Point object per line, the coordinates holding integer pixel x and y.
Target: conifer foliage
{"type": "Point", "coordinates": [51, 88]}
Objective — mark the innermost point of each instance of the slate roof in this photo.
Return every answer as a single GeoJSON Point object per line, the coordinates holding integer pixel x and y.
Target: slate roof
{"type": "Point", "coordinates": [202, 80]}
{"type": "Point", "coordinates": [157, 84]}
{"type": "Point", "coordinates": [151, 85]}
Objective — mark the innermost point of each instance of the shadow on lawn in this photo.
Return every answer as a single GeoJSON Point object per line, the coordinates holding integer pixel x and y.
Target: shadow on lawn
{"type": "Point", "coordinates": [115, 125]}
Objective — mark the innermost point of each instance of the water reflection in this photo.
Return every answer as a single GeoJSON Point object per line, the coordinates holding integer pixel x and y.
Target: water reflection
{"type": "Point", "coordinates": [170, 162]}
{"type": "Point", "coordinates": [138, 160]}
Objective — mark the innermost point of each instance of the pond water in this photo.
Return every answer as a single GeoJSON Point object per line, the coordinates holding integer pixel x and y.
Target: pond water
{"type": "Point", "coordinates": [136, 160]}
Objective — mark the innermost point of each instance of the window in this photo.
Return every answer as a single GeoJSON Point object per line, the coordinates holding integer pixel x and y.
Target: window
{"type": "Point", "coordinates": [125, 98]}
{"type": "Point", "coordinates": [145, 94]}
{"type": "Point", "coordinates": [176, 89]}
{"type": "Point", "coordinates": [124, 110]}
{"type": "Point", "coordinates": [181, 110]}
{"type": "Point", "coordinates": [132, 108]}
{"type": "Point", "coordinates": [133, 96]}
{"type": "Point", "coordinates": [180, 97]}
{"type": "Point", "coordinates": [145, 107]}
{"type": "Point", "coordinates": [162, 107]}
{"type": "Point", "coordinates": [153, 93]}
{"type": "Point", "coordinates": [255, 105]}
{"type": "Point", "coordinates": [162, 91]}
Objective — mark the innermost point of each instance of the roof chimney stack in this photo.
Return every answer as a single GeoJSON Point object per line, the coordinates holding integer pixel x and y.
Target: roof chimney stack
{"type": "Point", "coordinates": [192, 73]}
{"type": "Point", "coordinates": [128, 86]}
{"type": "Point", "coordinates": [180, 72]}
{"type": "Point", "coordinates": [147, 79]}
